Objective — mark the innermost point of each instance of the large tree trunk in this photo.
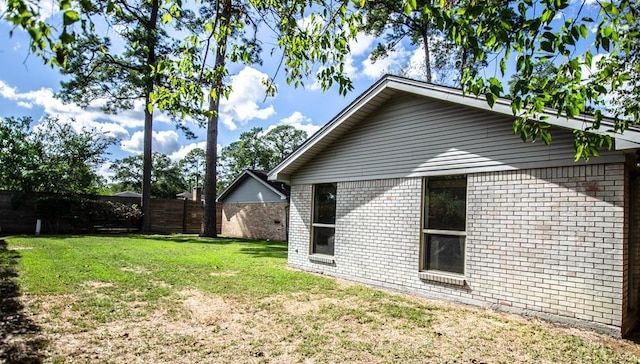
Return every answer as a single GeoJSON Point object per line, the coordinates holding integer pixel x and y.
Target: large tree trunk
{"type": "Point", "coordinates": [209, 220]}
{"type": "Point", "coordinates": [146, 171]}
{"type": "Point", "coordinates": [148, 120]}
{"type": "Point", "coordinates": [427, 54]}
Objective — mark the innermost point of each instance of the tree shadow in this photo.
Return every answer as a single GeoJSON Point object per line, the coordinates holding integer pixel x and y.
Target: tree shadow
{"type": "Point", "coordinates": [19, 339]}
{"type": "Point", "coordinates": [187, 238]}
{"type": "Point", "coordinates": [265, 250]}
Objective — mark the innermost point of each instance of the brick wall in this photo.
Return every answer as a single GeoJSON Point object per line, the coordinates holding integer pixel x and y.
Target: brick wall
{"type": "Point", "coordinates": [255, 220]}
{"type": "Point", "coordinates": [545, 241]}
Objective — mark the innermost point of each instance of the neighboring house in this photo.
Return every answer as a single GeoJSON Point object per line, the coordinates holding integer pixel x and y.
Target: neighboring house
{"type": "Point", "coordinates": [255, 208]}
{"type": "Point", "coordinates": [420, 189]}
{"type": "Point", "coordinates": [194, 195]}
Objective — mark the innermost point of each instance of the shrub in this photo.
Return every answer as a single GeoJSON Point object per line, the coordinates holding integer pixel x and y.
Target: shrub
{"type": "Point", "coordinates": [82, 214]}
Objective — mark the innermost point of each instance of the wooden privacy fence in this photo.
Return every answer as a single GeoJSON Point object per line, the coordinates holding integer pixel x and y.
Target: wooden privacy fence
{"type": "Point", "coordinates": [18, 215]}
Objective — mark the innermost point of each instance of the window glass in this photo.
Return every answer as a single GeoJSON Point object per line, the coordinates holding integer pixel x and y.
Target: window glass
{"type": "Point", "coordinates": [324, 204]}
{"type": "Point", "coordinates": [323, 238]}
{"type": "Point", "coordinates": [445, 253]}
{"type": "Point", "coordinates": [445, 218]}
{"type": "Point", "coordinates": [324, 218]}
{"type": "Point", "coordinates": [446, 203]}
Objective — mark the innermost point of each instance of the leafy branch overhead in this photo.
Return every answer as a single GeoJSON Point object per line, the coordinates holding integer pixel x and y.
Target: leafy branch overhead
{"type": "Point", "coordinates": [528, 33]}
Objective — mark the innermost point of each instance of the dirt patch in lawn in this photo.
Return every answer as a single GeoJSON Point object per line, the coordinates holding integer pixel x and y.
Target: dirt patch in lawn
{"type": "Point", "coordinates": [223, 274]}
{"type": "Point", "coordinates": [337, 326]}
{"type": "Point", "coordinates": [137, 270]}
{"type": "Point", "coordinates": [98, 285]}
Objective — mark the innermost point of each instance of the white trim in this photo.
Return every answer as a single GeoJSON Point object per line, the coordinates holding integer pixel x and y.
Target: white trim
{"type": "Point", "coordinates": [322, 258]}
{"type": "Point", "coordinates": [442, 277]}
{"type": "Point", "coordinates": [317, 224]}
{"type": "Point", "coordinates": [444, 232]}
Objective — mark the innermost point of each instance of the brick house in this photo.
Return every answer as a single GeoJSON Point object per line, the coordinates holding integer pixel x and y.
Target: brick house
{"type": "Point", "coordinates": [421, 189]}
{"type": "Point", "coordinates": [255, 208]}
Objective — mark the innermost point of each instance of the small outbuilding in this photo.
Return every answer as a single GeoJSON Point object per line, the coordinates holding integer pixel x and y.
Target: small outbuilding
{"type": "Point", "coordinates": [255, 208]}
{"type": "Point", "coordinates": [422, 189]}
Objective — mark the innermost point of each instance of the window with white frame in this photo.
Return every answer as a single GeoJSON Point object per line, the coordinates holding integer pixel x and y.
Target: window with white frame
{"type": "Point", "coordinates": [324, 218]}
{"type": "Point", "coordinates": [445, 221]}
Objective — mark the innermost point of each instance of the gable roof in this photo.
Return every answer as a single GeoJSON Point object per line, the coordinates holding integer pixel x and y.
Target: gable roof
{"type": "Point", "coordinates": [390, 86]}
{"type": "Point", "coordinates": [279, 188]}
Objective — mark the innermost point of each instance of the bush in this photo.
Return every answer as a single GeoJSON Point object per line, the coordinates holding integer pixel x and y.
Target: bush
{"type": "Point", "coordinates": [82, 214]}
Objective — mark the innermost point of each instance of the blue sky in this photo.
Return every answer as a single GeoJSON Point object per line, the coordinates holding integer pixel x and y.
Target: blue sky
{"type": "Point", "coordinates": [27, 88]}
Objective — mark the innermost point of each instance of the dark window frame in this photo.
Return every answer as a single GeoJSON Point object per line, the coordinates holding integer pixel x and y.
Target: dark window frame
{"type": "Point", "coordinates": [323, 218]}
{"type": "Point", "coordinates": [449, 240]}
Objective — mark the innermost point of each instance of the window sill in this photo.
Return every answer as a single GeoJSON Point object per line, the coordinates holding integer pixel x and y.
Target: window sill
{"type": "Point", "coordinates": [440, 277]}
{"type": "Point", "coordinates": [321, 258]}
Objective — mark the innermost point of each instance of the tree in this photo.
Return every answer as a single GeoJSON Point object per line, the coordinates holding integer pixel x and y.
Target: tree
{"type": "Point", "coordinates": [282, 141]}
{"type": "Point", "coordinates": [258, 150]}
{"type": "Point", "coordinates": [248, 152]}
{"type": "Point", "coordinates": [394, 22]}
{"type": "Point", "coordinates": [124, 73]}
{"type": "Point", "coordinates": [192, 167]}
{"type": "Point", "coordinates": [519, 32]}
{"type": "Point", "coordinates": [52, 158]}
{"type": "Point", "coordinates": [308, 32]}
{"type": "Point", "coordinates": [166, 179]}
{"type": "Point", "coordinates": [527, 33]}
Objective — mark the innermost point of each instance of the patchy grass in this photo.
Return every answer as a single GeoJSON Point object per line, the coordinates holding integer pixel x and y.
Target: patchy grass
{"type": "Point", "coordinates": [185, 299]}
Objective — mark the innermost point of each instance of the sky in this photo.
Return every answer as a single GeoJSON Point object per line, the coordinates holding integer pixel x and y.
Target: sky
{"type": "Point", "coordinates": [27, 88]}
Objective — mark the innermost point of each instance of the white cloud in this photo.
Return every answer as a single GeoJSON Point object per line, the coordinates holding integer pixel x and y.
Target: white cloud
{"type": "Point", "coordinates": [417, 68]}
{"type": "Point", "coordinates": [184, 149]}
{"type": "Point", "coordinates": [298, 121]}
{"type": "Point", "coordinates": [361, 44]}
{"type": "Point", "coordinates": [243, 102]}
{"type": "Point", "coordinates": [396, 58]}
{"type": "Point", "coordinates": [165, 142]}
{"type": "Point", "coordinates": [45, 8]}
{"type": "Point", "coordinates": [92, 116]}
{"type": "Point", "coordinates": [104, 171]}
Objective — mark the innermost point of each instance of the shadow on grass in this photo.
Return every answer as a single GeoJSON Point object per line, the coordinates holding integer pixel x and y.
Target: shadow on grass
{"type": "Point", "coordinates": [262, 249]}
{"type": "Point", "coordinates": [19, 341]}
{"type": "Point", "coordinates": [192, 239]}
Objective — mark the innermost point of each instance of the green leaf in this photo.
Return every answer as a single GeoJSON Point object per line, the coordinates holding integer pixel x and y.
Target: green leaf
{"type": "Point", "coordinates": [588, 59]}
{"type": "Point", "coordinates": [584, 31]}
{"type": "Point", "coordinates": [546, 46]}
{"type": "Point", "coordinates": [491, 99]}
{"type": "Point", "coordinates": [166, 18]}
{"type": "Point", "coordinates": [70, 16]}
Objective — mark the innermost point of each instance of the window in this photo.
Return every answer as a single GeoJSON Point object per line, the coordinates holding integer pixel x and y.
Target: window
{"type": "Point", "coordinates": [324, 218]}
{"type": "Point", "coordinates": [445, 220]}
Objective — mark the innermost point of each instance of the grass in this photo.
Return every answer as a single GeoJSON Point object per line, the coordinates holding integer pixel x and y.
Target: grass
{"type": "Point", "coordinates": [186, 299]}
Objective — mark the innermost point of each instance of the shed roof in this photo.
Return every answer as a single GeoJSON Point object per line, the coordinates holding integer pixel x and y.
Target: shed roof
{"type": "Point", "coordinates": [279, 188]}
{"type": "Point", "coordinates": [390, 86]}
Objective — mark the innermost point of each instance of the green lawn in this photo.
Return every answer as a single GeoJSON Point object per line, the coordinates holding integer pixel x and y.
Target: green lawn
{"type": "Point", "coordinates": [185, 299]}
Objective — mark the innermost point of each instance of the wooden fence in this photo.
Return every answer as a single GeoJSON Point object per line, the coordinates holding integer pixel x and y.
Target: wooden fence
{"type": "Point", "coordinates": [18, 215]}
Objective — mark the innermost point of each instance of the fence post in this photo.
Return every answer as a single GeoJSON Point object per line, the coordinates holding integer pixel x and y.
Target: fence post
{"type": "Point", "coordinates": [184, 215]}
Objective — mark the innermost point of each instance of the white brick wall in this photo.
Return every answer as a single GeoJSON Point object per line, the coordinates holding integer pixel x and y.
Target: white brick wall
{"type": "Point", "coordinates": [544, 241]}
